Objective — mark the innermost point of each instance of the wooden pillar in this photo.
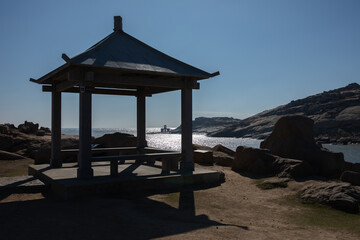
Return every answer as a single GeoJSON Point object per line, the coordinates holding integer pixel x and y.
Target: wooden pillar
{"type": "Point", "coordinates": [55, 161]}
{"type": "Point", "coordinates": [84, 160]}
{"type": "Point", "coordinates": [187, 163]}
{"type": "Point", "coordinates": [141, 120]}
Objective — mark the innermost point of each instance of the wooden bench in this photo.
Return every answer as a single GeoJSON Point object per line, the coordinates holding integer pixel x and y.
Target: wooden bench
{"type": "Point", "coordinates": [168, 158]}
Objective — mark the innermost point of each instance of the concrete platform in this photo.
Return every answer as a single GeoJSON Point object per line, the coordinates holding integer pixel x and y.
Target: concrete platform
{"type": "Point", "coordinates": [132, 177]}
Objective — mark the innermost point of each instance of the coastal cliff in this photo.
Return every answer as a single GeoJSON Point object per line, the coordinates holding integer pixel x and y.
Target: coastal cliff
{"type": "Point", "coordinates": [336, 114]}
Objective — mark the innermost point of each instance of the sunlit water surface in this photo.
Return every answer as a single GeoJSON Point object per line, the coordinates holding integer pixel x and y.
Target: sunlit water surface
{"type": "Point", "coordinates": [173, 141]}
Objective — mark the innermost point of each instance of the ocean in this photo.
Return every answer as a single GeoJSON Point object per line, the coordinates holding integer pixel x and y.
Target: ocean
{"type": "Point", "coordinates": [173, 141]}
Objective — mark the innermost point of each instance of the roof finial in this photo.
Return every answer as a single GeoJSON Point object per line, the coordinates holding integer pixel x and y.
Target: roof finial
{"type": "Point", "coordinates": [117, 23]}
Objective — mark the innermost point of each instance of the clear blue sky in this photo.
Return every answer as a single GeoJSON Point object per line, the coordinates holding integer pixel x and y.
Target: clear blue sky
{"type": "Point", "coordinates": [268, 53]}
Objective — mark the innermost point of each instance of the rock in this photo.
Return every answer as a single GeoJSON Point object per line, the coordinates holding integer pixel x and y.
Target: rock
{"type": "Point", "coordinates": [262, 162]}
{"type": "Point", "coordinates": [6, 142]}
{"type": "Point", "coordinates": [293, 138]}
{"type": "Point", "coordinates": [200, 147]}
{"type": "Point", "coordinates": [292, 168]}
{"type": "Point", "coordinates": [43, 152]}
{"type": "Point", "coordinates": [4, 129]}
{"type": "Point", "coordinates": [341, 196]}
{"type": "Point", "coordinates": [116, 140]}
{"type": "Point", "coordinates": [223, 159]}
{"type": "Point", "coordinates": [221, 148]}
{"type": "Point", "coordinates": [331, 164]}
{"type": "Point", "coordinates": [40, 133]}
{"type": "Point", "coordinates": [203, 157]}
{"type": "Point", "coordinates": [351, 177]}
{"type": "Point", "coordinates": [274, 183]}
{"type": "Point", "coordinates": [45, 129]}
{"type": "Point", "coordinates": [253, 160]}
{"type": "Point", "coordinates": [28, 127]}
{"type": "Point", "coordinates": [344, 202]}
{"type": "Point", "coordinates": [9, 156]}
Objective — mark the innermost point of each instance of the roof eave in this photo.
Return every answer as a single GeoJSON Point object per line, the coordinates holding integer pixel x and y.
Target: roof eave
{"type": "Point", "coordinates": [47, 76]}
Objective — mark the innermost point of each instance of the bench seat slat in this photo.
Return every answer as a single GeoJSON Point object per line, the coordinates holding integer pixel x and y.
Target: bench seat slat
{"type": "Point", "coordinates": [136, 156]}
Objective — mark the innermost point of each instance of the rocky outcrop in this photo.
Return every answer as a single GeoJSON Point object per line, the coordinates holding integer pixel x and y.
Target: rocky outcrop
{"type": "Point", "coordinates": [293, 137]}
{"type": "Point", "coordinates": [336, 114]}
{"type": "Point", "coordinates": [342, 196]}
{"type": "Point", "coordinates": [207, 125]}
{"type": "Point", "coordinates": [29, 127]}
{"type": "Point", "coordinates": [25, 141]}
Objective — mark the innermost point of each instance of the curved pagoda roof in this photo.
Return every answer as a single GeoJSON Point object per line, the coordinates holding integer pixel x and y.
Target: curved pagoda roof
{"type": "Point", "coordinates": [122, 55]}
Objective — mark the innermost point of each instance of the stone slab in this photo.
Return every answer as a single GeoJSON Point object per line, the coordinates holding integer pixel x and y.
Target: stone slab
{"type": "Point", "coordinates": [132, 177]}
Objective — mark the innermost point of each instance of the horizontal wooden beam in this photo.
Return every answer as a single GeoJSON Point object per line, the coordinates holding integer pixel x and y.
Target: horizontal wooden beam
{"type": "Point", "coordinates": [103, 91]}
{"type": "Point", "coordinates": [141, 81]}
{"type": "Point", "coordinates": [76, 150]}
{"type": "Point", "coordinates": [62, 86]}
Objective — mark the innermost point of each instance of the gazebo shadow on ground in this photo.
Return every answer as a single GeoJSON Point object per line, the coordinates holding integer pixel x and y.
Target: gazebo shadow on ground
{"type": "Point", "coordinates": [105, 217]}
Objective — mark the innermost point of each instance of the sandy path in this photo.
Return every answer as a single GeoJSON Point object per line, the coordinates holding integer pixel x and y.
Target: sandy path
{"type": "Point", "coordinates": [235, 210]}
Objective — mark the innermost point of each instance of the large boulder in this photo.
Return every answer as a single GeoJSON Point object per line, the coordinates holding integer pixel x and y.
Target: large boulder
{"type": "Point", "coordinates": [203, 157]}
{"type": "Point", "coordinates": [201, 147]}
{"type": "Point", "coordinates": [341, 196]}
{"type": "Point", "coordinates": [223, 159]}
{"type": "Point", "coordinates": [116, 140]}
{"type": "Point", "coordinates": [293, 137]}
{"type": "Point", "coordinates": [223, 149]}
{"type": "Point", "coordinates": [351, 177]}
{"type": "Point", "coordinates": [253, 160]}
{"type": "Point", "coordinates": [29, 127]}
{"type": "Point", "coordinates": [262, 162]}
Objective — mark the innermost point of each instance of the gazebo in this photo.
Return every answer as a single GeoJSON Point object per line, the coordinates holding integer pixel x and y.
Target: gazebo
{"type": "Point", "coordinates": [121, 65]}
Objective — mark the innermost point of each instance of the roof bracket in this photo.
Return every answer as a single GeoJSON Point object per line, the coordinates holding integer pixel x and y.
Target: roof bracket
{"type": "Point", "coordinates": [65, 57]}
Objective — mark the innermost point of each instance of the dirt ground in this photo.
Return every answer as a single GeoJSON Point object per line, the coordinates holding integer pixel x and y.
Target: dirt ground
{"type": "Point", "coordinates": [237, 209]}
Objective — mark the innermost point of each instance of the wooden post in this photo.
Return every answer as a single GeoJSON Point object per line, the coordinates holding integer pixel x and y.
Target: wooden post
{"type": "Point", "coordinates": [187, 163]}
{"type": "Point", "coordinates": [55, 161]}
{"type": "Point", "coordinates": [141, 120]}
{"type": "Point", "coordinates": [84, 160]}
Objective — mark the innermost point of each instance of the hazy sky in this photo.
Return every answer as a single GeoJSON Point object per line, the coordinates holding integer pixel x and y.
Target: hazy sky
{"type": "Point", "coordinates": [268, 53]}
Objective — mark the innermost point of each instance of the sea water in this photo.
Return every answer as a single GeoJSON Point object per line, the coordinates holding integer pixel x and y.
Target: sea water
{"type": "Point", "coordinates": [168, 141]}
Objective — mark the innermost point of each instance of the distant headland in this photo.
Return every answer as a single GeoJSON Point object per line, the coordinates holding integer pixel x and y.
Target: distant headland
{"type": "Point", "coordinates": [336, 114]}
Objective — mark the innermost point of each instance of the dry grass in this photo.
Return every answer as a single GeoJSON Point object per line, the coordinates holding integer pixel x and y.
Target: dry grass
{"type": "Point", "coordinates": [318, 215]}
